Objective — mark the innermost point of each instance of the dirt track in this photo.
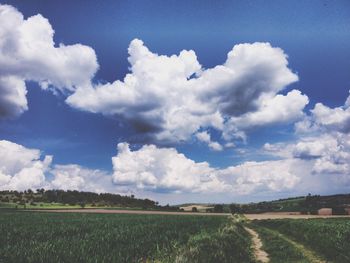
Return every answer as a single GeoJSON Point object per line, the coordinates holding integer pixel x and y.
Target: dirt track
{"type": "Point", "coordinates": [149, 212]}
{"type": "Point", "coordinates": [259, 253]}
{"type": "Point", "coordinates": [287, 215]}
{"type": "Point", "coordinates": [141, 212]}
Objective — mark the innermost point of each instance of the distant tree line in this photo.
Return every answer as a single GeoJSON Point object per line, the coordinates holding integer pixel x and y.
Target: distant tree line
{"type": "Point", "coordinates": [304, 204]}
{"type": "Point", "coordinates": [338, 203]}
{"type": "Point", "coordinates": [253, 208]}
{"type": "Point", "coordinates": [79, 198]}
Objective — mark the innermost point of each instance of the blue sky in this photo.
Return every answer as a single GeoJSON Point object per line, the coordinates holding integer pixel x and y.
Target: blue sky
{"type": "Point", "coordinates": [314, 36]}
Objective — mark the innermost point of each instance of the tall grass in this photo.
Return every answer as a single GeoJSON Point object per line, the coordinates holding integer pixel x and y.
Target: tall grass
{"type": "Point", "coordinates": [328, 237]}
{"type": "Point", "coordinates": [229, 245]}
{"type": "Point", "coordinates": [278, 249]}
{"type": "Point", "coordinates": [68, 237]}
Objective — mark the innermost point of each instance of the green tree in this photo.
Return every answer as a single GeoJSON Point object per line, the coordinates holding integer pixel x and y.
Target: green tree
{"type": "Point", "coordinates": [235, 208]}
{"type": "Point", "coordinates": [218, 209]}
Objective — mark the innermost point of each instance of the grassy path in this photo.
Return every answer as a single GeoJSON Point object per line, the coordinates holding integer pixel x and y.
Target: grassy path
{"type": "Point", "coordinates": [292, 250]}
{"type": "Point", "coordinates": [260, 255]}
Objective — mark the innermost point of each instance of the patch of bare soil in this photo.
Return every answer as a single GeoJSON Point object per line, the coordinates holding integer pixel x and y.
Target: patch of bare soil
{"type": "Point", "coordinates": [288, 215]}
{"type": "Point", "coordinates": [260, 255]}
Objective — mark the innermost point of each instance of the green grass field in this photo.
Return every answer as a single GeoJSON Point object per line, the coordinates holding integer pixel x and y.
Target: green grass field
{"type": "Point", "coordinates": [74, 237]}
{"type": "Point", "coordinates": [279, 249]}
{"type": "Point", "coordinates": [78, 237]}
{"type": "Point", "coordinates": [328, 238]}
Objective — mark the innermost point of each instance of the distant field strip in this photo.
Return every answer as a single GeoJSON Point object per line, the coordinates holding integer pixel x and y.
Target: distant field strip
{"type": "Point", "coordinates": [127, 211]}
{"type": "Point", "coordinates": [319, 240]}
{"type": "Point", "coordinates": [286, 215]}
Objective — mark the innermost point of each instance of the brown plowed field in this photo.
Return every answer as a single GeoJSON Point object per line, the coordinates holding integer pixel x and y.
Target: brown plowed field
{"type": "Point", "coordinates": [276, 215]}
{"type": "Point", "coordinates": [282, 215]}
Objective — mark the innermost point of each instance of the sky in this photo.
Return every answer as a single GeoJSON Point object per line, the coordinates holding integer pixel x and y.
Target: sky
{"type": "Point", "coordinates": [197, 101]}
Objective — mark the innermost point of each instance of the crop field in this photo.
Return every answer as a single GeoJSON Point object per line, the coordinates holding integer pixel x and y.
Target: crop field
{"type": "Point", "coordinates": [301, 240]}
{"type": "Point", "coordinates": [76, 237]}
{"type": "Point", "coordinates": [96, 237]}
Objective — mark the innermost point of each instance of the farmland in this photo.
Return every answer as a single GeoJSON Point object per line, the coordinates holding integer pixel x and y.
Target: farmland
{"type": "Point", "coordinates": [303, 240]}
{"type": "Point", "coordinates": [112, 236]}
{"type": "Point", "coordinates": [77, 237]}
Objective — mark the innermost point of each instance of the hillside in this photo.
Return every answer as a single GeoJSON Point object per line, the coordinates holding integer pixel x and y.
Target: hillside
{"type": "Point", "coordinates": [303, 204]}
{"type": "Point", "coordinates": [42, 198]}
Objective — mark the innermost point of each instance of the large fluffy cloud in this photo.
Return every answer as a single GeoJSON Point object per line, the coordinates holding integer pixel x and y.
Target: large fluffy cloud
{"type": "Point", "coordinates": [170, 98]}
{"type": "Point", "coordinates": [151, 171]}
{"type": "Point", "coordinates": [164, 169]}
{"type": "Point", "coordinates": [28, 53]}
{"type": "Point", "coordinates": [165, 98]}
{"type": "Point", "coordinates": [76, 177]}
{"type": "Point", "coordinates": [326, 120]}
{"type": "Point", "coordinates": [324, 136]}
{"type": "Point", "coordinates": [279, 109]}
{"type": "Point", "coordinates": [274, 176]}
{"type": "Point", "coordinates": [327, 154]}
{"type": "Point", "coordinates": [21, 168]}
{"type": "Point", "coordinates": [333, 119]}
{"type": "Point", "coordinates": [13, 99]}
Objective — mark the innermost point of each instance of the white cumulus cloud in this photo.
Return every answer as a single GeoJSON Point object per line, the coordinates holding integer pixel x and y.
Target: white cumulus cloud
{"type": "Point", "coordinates": [28, 53]}
{"type": "Point", "coordinates": [22, 168]}
{"type": "Point", "coordinates": [332, 118]}
{"type": "Point", "coordinates": [324, 135]}
{"type": "Point", "coordinates": [204, 136]}
{"type": "Point", "coordinates": [278, 109]}
{"type": "Point", "coordinates": [326, 119]}
{"type": "Point", "coordinates": [252, 176]}
{"type": "Point", "coordinates": [76, 177]}
{"type": "Point", "coordinates": [169, 98]}
{"type": "Point", "coordinates": [164, 169]}
{"type": "Point", "coordinates": [151, 171]}
{"type": "Point", "coordinates": [328, 154]}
